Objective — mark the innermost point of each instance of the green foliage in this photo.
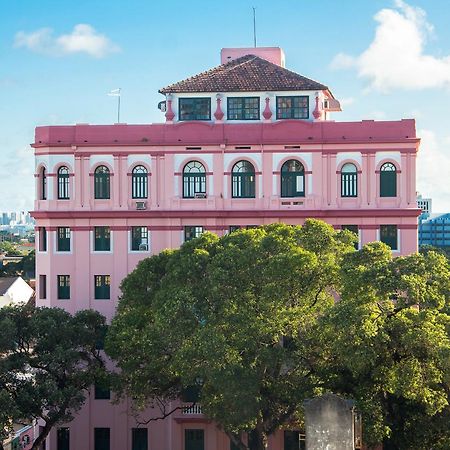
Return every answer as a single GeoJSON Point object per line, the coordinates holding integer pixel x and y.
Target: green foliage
{"type": "Point", "coordinates": [217, 310]}
{"type": "Point", "coordinates": [215, 314]}
{"type": "Point", "coordinates": [391, 345]}
{"type": "Point", "coordinates": [25, 268]}
{"type": "Point", "coordinates": [48, 361]}
{"type": "Point", "coordinates": [9, 249]}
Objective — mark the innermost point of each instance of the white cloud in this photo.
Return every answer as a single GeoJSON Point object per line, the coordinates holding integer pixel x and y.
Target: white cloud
{"type": "Point", "coordinates": [396, 57]}
{"type": "Point", "coordinates": [433, 166]}
{"type": "Point", "coordinates": [82, 39]}
{"type": "Point", "coordinates": [346, 101]}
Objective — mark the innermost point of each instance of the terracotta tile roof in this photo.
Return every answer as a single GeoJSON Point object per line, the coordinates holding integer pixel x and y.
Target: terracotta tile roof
{"type": "Point", "coordinates": [247, 73]}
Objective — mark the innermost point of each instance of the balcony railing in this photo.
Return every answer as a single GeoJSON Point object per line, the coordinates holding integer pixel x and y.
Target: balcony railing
{"type": "Point", "coordinates": [192, 409]}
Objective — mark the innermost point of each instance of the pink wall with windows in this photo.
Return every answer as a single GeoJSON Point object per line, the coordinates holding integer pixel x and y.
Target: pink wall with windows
{"type": "Point", "coordinates": [323, 148]}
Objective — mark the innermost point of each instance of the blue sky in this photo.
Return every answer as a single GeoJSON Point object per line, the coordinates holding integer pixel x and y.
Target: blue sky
{"type": "Point", "coordinates": [384, 59]}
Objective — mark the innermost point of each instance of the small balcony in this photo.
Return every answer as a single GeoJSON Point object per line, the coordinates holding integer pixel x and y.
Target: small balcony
{"type": "Point", "coordinates": [191, 409]}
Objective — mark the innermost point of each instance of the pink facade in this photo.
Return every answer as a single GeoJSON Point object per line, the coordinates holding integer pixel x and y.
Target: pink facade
{"type": "Point", "coordinates": [324, 151]}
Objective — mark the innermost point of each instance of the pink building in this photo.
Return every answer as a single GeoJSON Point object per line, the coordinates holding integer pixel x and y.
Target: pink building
{"type": "Point", "coordinates": [246, 143]}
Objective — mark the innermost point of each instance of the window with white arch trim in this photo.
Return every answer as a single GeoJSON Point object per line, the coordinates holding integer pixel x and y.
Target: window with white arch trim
{"type": "Point", "coordinates": [102, 183]}
{"type": "Point", "coordinates": [292, 179]}
{"type": "Point", "coordinates": [243, 180]}
{"type": "Point", "coordinates": [388, 180]}
{"type": "Point", "coordinates": [349, 180]}
{"type": "Point", "coordinates": [139, 182]}
{"type": "Point", "coordinates": [63, 183]}
{"type": "Point", "coordinates": [194, 180]}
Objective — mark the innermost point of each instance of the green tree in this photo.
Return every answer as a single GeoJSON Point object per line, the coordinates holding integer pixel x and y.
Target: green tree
{"type": "Point", "coordinates": [391, 346]}
{"type": "Point", "coordinates": [48, 361]}
{"type": "Point", "coordinates": [9, 248]}
{"type": "Point", "coordinates": [234, 317]}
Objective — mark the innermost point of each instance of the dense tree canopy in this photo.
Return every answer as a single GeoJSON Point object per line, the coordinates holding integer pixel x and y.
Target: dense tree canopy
{"type": "Point", "coordinates": [218, 310]}
{"type": "Point", "coordinates": [48, 361]}
{"type": "Point", "coordinates": [253, 321]}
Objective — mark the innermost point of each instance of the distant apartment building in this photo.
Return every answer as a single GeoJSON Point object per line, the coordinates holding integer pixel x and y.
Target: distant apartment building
{"type": "Point", "coordinates": [246, 143]}
{"type": "Point", "coordinates": [435, 230]}
{"type": "Point", "coordinates": [424, 204]}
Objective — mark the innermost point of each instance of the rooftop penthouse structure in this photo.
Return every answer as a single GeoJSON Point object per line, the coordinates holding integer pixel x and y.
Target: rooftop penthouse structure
{"type": "Point", "coordinates": [246, 143]}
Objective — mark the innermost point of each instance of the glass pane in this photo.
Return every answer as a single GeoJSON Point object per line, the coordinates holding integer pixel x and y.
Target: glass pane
{"type": "Point", "coordinates": [194, 108]}
{"type": "Point", "coordinates": [139, 438]}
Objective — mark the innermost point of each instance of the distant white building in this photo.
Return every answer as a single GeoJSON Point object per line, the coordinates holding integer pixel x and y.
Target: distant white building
{"type": "Point", "coordinates": [424, 204]}
{"type": "Point", "coordinates": [14, 290]}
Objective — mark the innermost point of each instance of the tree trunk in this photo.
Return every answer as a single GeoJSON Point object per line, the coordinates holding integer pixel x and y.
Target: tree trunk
{"type": "Point", "coordinates": [257, 439]}
{"type": "Point", "coordinates": [44, 433]}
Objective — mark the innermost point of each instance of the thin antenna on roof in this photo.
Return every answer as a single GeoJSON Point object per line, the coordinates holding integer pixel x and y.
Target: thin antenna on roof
{"type": "Point", "coordinates": [254, 26]}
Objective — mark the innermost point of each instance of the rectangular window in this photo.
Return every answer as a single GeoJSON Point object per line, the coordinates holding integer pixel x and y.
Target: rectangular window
{"type": "Point", "coordinates": [388, 235]}
{"type": "Point", "coordinates": [63, 287]}
{"type": "Point", "coordinates": [42, 287]}
{"type": "Point", "coordinates": [192, 232]}
{"type": "Point", "coordinates": [194, 109]}
{"type": "Point", "coordinates": [102, 287]}
{"type": "Point", "coordinates": [42, 239]}
{"type": "Point", "coordinates": [101, 392]}
{"type": "Point", "coordinates": [139, 439]}
{"type": "Point", "coordinates": [100, 344]}
{"type": "Point", "coordinates": [102, 239]}
{"type": "Point", "coordinates": [63, 244]}
{"type": "Point", "coordinates": [353, 229]}
{"type": "Point", "coordinates": [139, 239]}
{"type": "Point", "coordinates": [294, 440]}
{"type": "Point", "coordinates": [101, 438]}
{"type": "Point", "coordinates": [194, 439]}
{"type": "Point", "coordinates": [63, 439]}
{"type": "Point", "coordinates": [293, 107]}
{"type": "Point", "coordinates": [243, 108]}
{"type": "Point", "coordinates": [235, 228]}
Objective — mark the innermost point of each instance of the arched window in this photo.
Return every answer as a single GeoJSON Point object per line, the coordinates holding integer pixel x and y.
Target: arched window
{"type": "Point", "coordinates": [101, 183]}
{"type": "Point", "coordinates": [243, 180]}
{"type": "Point", "coordinates": [43, 184]}
{"type": "Point", "coordinates": [63, 183]}
{"type": "Point", "coordinates": [349, 180]}
{"type": "Point", "coordinates": [139, 182]}
{"type": "Point", "coordinates": [292, 179]}
{"type": "Point", "coordinates": [194, 180]}
{"type": "Point", "coordinates": [388, 180]}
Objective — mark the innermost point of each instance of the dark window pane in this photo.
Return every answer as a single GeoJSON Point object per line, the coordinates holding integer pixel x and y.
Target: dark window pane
{"type": "Point", "coordinates": [43, 184]}
{"type": "Point", "coordinates": [101, 438]}
{"type": "Point", "coordinates": [63, 439]}
{"type": "Point", "coordinates": [139, 439]}
{"type": "Point", "coordinates": [294, 440]}
{"type": "Point", "coordinates": [42, 287]}
{"type": "Point", "coordinates": [349, 181]}
{"type": "Point", "coordinates": [102, 287]}
{"type": "Point", "coordinates": [139, 239]}
{"type": "Point", "coordinates": [63, 287]}
{"type": "Point", "coordinates": [194, 439]}
{"type": "Point", "coordinates": [42, 239]}
{"type": "Point", "coordinates": [192, 232]}
{"type": "Point", "coordinates": [102, 183]}
{"type": "Point", "coordinates": [102, 239]}
{"type": "Point", "coordinates": [243, 108]}
{"type": "Point", "coordinates": [235, 228]}
{"type": "Point", "coordinates": [63, 242]}
{"type": "Point", "coordinates": [293, 107]}
{"type": "Point", "coordinates": [388, 180]}
{"type": "Point", "coordinates": [388, 235]}
{"type": "Point", "coordinates": [243, 180]}
{"type": "Point", "coordinates": [194, 109]}
{"type": "Point", "coordinates": [102, 392]}
{"type": "Point", "coordinates": [292, 179]}
{"type": "Point", "coordinates": [63, 183]}
{"type": "Point", "coordinates": [194, 180]}
{"type": "Point", "coordinates": [139, 182]}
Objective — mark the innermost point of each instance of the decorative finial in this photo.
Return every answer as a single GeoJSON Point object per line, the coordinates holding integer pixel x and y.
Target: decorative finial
{"type": "Point", "coordinates": [267, 113]}
{"type": "Point", "coordinates": [219, 113]}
